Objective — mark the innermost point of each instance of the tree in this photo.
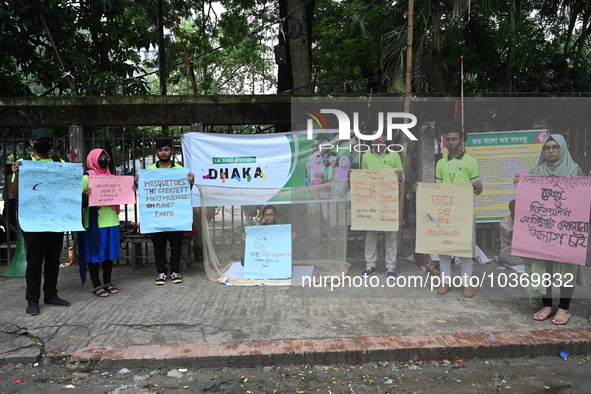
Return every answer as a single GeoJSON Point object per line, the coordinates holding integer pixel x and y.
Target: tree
{"type": "Point", "coordinates": [93, 44]}
{"type": "Point", "coordinates": [228, 51]}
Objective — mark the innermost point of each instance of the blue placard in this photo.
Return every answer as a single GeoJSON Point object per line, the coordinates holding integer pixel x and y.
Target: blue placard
{"type": "Point", "coordinates": [164, 198]}
{"type": "Point", "coordinates": [50, 196]}
{"type": "Point", "coordinates": [268, 252]}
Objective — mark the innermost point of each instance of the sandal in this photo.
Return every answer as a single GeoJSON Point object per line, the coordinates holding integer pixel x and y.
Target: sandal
{"type": "Point", "coordinates": [543, 313]}
{"type": "Point", "coordinates": [111, 289]}
{"type": "Point", "coordinates": [561, 317]}
{"type": "Point", "coordinates": [100, 292]}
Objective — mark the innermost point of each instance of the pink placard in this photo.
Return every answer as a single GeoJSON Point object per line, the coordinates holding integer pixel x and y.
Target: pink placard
{"type": "Point", "coordinates": [111, 190]}
{"type": "Point", "coordinates": [552, 218]}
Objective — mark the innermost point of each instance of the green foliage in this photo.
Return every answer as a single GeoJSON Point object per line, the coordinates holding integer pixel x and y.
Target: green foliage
{"type": "Point", "coordinates": [228, 51]}
{"type": "Point", "coordinates": [96, 41]}
{"type": "Point", "coordinates": [360, 46]}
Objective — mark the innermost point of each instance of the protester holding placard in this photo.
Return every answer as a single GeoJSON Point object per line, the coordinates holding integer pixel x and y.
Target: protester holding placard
{"type": "Point", "coordinates": [164, 151]}
{"type": "Point", "coordinates": [457, 167]}
{"type": "Point", "coordinates": [380, 157]}
{"type": "Point", "coordinates": [555, 159]}
{"type": "Point", "coordinates": [44, 245]}
{"type": "Point", "coordinates": [100, 243]}
{"type": "Point", "coordinates": [269, 217]}
{"type": "Point", "coordinates": [268, 220]}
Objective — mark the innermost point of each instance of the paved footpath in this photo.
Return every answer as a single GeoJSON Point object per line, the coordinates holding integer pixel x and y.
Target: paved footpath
{"type": "Point", "coordinates": [203, 323]}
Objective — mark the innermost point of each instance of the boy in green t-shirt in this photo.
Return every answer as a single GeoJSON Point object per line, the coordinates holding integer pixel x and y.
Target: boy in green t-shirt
{"type": "Point", "coordinates": [164, 150]}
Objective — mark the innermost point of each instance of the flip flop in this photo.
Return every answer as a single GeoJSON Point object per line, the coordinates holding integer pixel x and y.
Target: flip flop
{"type": "Point", "coordinates": [564, 315]}
{"type": "Point", "coordinates": [541, 311]}
{"type": "Point", "coordinates": [100, 292]}
{"type": "Point", "coordinates": [111, 289]}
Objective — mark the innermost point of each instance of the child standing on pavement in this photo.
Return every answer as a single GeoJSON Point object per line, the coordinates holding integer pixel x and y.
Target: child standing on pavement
{"type": "Point", "coordinates": [99, 244]}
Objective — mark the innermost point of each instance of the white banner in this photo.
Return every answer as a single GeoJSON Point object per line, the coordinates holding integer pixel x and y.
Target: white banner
{"type": "Point", "coordinates": [262, 168]}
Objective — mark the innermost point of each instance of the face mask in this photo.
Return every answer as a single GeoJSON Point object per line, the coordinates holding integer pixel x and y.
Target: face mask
{"type": "Point", "coordinates": [42, 147]}
{"type": "Point", "coordinates": [103, 163]}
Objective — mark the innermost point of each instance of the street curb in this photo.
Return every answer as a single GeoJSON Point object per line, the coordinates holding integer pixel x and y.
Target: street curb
{"type": "Point", "coordinates": [505, 344]}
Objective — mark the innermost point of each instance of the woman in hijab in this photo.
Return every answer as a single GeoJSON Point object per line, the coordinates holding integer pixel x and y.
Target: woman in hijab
{"type": "Point", "coordinates": [555, 159]}
{"type": "Point", "coordinates": [101, 238]}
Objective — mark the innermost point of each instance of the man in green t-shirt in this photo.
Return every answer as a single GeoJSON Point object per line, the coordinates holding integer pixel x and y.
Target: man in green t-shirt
{"type": "Point", "coordinates": [381, 157]}
{"type": "Point", "coordinates": [164, 150]}
{"type": "Point", "coordinates": [457, 167]}
{"type": "Point", "coordinates": [40, 245]}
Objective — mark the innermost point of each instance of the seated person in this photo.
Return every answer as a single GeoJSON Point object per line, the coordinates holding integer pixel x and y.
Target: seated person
{"type": "Point", "coordinates": [269, 219]}
{"type": "Point", "coordinates": [506, 227]}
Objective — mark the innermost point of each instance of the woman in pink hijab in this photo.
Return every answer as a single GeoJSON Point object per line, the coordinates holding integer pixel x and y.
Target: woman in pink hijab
{"type": "Point", "coordinates": [100, 242]}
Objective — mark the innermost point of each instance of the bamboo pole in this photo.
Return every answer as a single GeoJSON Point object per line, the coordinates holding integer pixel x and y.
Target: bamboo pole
{"type": "Point", "coordinates": [462, 90]}
{"type": "Point", "coordinates": [407, 100]}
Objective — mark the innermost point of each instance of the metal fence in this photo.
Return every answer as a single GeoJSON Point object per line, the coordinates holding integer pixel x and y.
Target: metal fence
{"type": "Point", "coordinates": [131, 152]}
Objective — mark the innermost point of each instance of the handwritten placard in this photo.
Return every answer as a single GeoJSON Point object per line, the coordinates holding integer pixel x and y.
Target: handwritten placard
{"type": "Point", "coordinates": [445, 219]}
{"type": "Point", "coordinates": [164, 198]}
{"type": "Point", "coordinates": [552, 218]}
{"type": "Point", "coordinates": [268, 252]}
{"type": "Point", "coordinates": [374, 200]}
{"type": "Point", "coordinates": [50, 196]}
{"type": "Point", "coordinates": [111, 190]}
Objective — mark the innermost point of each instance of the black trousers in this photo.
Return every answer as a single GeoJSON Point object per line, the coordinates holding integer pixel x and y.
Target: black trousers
{"type": "Point", "coordinates": [175, 238]}
{"type": "Point", "coordinates": [45, 246]}
{"type": "Point", "coordinates": [93, 268]}
{"type": "Point", "coordinates": [566, 294]}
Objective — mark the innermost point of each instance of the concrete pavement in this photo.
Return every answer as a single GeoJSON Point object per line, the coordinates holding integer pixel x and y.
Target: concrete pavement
{"type": "Point", "coordinates": [200, 314]}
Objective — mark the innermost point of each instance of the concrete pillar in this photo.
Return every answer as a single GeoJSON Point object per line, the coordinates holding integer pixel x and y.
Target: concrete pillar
{"type": "Point", "coordinates": [77, 155]}
{"type": "Point", "coordinates": [196, 127]}
{"type": "Point", "coordinates": [77, 146]}
{"type": "Point", "coordinates": [426, 152]}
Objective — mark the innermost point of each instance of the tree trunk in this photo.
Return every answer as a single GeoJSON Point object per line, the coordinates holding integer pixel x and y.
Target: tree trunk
{"type": "Point", "coordinates": [439, 85]}
{"type": "Point", "coordinates": [508, 86]}
{"type": "Point", "coordinates": [299, 33]}
{"type": "Point", "coordinates": [582, 40]}
{"type": "Point", "coordinates": [284, 77]}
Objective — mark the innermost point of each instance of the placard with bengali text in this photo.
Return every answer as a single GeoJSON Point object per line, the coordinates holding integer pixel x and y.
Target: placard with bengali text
{"type": "Point", "coordinates": [552, 218]}
{"type": "Point", "coordinates": [501, 155]}
{"type": "Point", "coordinates": [267, 254]}
{"type": "Point", "coordinates": [50, 196]}
{"type": "Point", "coordinates": [374, 200]}
{"type": "Point", "coordinates": [445, 219]}
{"type": "Point", "coordinates": [111, 190]}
